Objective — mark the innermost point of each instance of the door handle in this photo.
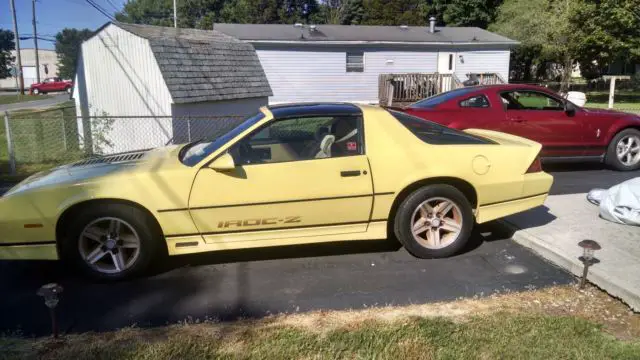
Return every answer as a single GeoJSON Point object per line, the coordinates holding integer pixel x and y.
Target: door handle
{"type": "Point", "coordinates": [517, 119]}
{"type": "Point", "coordinates": [348, 173]}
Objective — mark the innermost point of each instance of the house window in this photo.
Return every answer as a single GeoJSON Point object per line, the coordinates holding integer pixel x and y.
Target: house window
{"type": "Point", "coordinates": [355, 61]}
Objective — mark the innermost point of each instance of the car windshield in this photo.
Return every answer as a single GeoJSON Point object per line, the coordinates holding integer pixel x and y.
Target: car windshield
{"type": "Point", "coordinates": [196, 151]}
{"type": "Point", "coordinates": [436, 100]}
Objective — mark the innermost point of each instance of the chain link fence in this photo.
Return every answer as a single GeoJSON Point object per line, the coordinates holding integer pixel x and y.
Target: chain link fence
{"type": "Point", "coordinates": [37, 140]}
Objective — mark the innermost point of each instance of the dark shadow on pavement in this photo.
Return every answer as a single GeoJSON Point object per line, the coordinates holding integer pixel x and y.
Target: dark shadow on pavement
{"type": "Point", "coordinates": [255, 283]}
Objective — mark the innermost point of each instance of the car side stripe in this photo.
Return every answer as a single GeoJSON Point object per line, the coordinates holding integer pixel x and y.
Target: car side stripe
{"type": "Point", "coordinates": [273, 228]}
{"type": "Point", "coordinates": [28, 243]}
{"type": "Point", "coordinates": [276, 202]}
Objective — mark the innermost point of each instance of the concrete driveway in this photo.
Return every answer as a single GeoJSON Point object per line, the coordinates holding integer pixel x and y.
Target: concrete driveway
{"type": "Point", "coordinates": [554, 230]}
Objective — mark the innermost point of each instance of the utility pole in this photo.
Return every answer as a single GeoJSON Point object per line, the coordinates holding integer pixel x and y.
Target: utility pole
{"type": "Point", "coordinates": [18, 58]}
{"type": "Point", "coordinates": [35, 40]}
{"type": "Point", "coordinates": [175, 14]}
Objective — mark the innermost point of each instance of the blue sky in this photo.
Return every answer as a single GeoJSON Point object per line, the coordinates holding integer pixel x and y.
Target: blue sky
{"type": "Point", "coordinates": [54, 15]}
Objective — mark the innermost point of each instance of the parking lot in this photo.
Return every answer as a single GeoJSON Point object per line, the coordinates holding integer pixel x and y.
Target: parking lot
{"type": "Point", "coordinates": [259, 282]}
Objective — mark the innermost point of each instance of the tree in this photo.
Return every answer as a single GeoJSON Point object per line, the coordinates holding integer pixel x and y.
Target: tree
{"type": "Point", "coordinates": [608, 31]}
{"type": "Point", "coordinates": [6, 45]}
{"type": "Point", "coordinates": [353, 12]}
{"type": "Point", "coordinates": [478, 13]}
{"type": "Point", "coordinates": [150, 12]}
{"type": "Point", "coordinates": [396, 12]}
{"type": "Point", "coordinates": [544, 26]}
{"type": "Point", "coordinates": [68, 43]}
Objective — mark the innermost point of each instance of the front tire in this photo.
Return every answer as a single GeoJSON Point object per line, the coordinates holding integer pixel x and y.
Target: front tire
{"type": "Point", "coordinates": [111, 242]}
{"type": "Point", "coordinates": [68, 90]}
{"type": "Point", "coordinates": [623, 153]}
{"type": "Point", "coordinates": [434, 221]}
{"type": "Point", "coordinates": [36, 92]}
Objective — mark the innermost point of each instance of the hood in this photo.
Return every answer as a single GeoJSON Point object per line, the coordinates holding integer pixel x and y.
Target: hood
{"type": "Point", "coordinates": [93, 168]}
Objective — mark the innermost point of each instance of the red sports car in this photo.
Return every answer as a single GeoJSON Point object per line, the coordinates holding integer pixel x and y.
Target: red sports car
{"type": "Point", "coordinates": [566, 131]}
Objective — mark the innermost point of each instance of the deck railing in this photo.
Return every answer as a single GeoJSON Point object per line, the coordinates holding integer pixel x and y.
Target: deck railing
{"type": "Point", "coordinates": [410, 87]}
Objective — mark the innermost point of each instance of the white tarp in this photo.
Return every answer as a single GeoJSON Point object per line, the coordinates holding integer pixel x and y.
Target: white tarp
{"type": "Point", "coordinates": [620, 204]}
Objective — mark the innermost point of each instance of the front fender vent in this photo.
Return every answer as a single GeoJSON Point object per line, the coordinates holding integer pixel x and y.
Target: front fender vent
{"type": "Point", "coordinates": [112, 159]}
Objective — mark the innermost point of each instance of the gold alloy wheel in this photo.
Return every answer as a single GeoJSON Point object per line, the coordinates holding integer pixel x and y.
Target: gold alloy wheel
{"type": "Point", "coordinates": [109, 245]}
{"type": "Point", "coordinates": [436, 223]}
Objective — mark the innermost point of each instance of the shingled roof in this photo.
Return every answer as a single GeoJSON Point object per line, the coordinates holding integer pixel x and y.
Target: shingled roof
{"type": "Point", "coordinates": [363, 34]}
{"type": "Point", "coordinates": [204, 65]}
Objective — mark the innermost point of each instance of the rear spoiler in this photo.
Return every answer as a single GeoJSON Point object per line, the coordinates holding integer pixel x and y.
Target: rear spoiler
{"type": "Point", "coordinates": [503, 138]}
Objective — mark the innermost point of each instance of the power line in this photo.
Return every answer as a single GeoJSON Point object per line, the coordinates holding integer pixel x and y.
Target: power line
{"type": "Point", "coordinates": [100, 9]}
{"type": "Point", "coordinates": [113, 6]}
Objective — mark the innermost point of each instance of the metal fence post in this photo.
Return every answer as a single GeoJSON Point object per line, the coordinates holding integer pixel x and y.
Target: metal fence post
{"type": "Point", "coordinates": [12, 157]}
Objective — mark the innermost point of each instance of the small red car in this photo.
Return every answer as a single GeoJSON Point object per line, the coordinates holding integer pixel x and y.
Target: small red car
{"type": "Point", "coordinates": [53, 84]}
{"type": "Point", "coordinates": [566, 131]}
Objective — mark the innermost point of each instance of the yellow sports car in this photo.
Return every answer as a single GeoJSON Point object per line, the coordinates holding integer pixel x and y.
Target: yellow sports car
{"type": "Point", "coordinates": [291, 174]}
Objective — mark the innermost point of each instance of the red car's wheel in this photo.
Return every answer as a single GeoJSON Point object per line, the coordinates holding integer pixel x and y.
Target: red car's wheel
{"type": "Point", "coordinates": [623, 153]}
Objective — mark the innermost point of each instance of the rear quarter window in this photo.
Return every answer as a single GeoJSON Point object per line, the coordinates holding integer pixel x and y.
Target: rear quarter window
{"type": "Point", "coordinates": [437, 134]}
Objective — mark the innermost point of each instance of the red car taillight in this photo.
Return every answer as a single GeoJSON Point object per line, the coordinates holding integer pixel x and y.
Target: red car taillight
{"type": "Point", "coordinates": [536, 166]}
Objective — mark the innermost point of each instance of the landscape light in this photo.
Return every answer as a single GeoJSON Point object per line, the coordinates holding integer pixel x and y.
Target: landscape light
{"type": "Point", "coordinates": [589, 247]}
{"type": "Point", "coordinates": [50, 293]}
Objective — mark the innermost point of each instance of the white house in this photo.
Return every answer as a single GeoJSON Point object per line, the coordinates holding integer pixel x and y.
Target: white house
{"type": "Point", "coordinates": [137, 85]}
{"type": "Point", "coordinates": [343, 62]}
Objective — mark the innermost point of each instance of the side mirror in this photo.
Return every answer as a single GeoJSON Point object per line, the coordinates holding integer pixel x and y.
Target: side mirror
{"type": "Point", "coordinates": [223, 163]}
{"type": "Point", "coordinates": [569, 108]}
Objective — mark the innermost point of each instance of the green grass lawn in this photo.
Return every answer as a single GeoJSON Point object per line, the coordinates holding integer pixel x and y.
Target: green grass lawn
{"type": "Point", "coordinates": [41, 139]}
{"type": "Point", "coordinates": [556, 323]}
{"type": "Point", "coordinates": [623, 100]}
{"type": "Point", "coordinates": [11, 99]}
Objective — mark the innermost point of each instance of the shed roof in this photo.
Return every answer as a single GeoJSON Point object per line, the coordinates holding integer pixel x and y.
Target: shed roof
{"type": "Point", "coordinates": [361, 34]}
{"type": "Point", "coordinates": [204, 65]}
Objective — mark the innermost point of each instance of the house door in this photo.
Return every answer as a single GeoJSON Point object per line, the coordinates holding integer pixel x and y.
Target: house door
{"type": "Point", "coordinates": [446, 66]}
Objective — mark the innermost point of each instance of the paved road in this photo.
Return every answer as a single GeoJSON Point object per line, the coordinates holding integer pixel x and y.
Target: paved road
{"type": "Point", "coordinates": [35, 104]}
{"type": "Point", "coordinates": [580, 178]}
{"type": "Point", "coordinates": [262, 281]}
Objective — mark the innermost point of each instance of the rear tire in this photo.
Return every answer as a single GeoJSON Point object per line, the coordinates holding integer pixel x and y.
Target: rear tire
{"type": "Point", "coordinates": [111, 242]}
{"type": "Point", "coordinates": [68, 90]}
{"type": "Point", "coordinates": [623, 153]}
{"type": "Point", "coordinates": [434, 221]}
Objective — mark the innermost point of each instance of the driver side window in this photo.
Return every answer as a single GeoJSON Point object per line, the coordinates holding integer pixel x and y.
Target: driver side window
{"type": "Point", "coordinates": [300, 138]}
{"type": "Point", "coordinates": [530, 100]}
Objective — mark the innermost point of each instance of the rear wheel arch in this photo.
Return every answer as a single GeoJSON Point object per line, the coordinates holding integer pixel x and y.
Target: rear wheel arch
{"type": "Point", "coordinates": [462, 185]}
{"type": "Point", "coordinates": [64, 220]}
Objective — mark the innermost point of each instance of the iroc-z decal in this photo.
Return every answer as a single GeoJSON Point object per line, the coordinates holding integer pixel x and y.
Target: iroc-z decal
{"type": "Point", "coordinates": [258, 222]}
